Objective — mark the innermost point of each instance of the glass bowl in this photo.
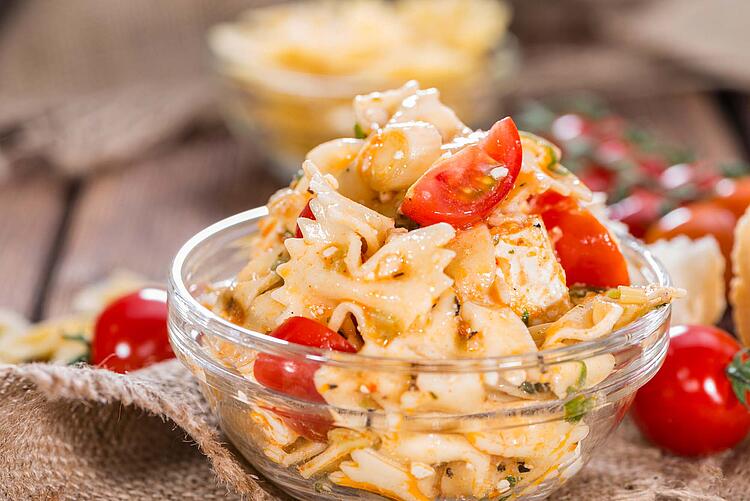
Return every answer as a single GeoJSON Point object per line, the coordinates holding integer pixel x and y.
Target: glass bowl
{"type": "Point", "coordinates": [289, 112]}
{"type": "Point", "coordinates": [530, 447]}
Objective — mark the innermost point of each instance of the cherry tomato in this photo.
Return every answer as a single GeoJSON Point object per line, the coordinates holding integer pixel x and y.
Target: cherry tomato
{"type": "Point", "coordinates": [131, 333]}
{"type": "Point", "coordinates": [651, 165]}
{"type": "Point", "coordinates": [294, 377]}
{"type": "Point", "coordinates": [689, 407]}
{"type": "Point", "coordinates": [698, 220]}
{"type": "Point", "coordinates": [586, 250]}
{"type": "Point", "coordinates": [598, 178]}
{"type": "Point", "coordinates": [464, 188]}
{"type": "Point", "coordinates": [307, 213]}
{"type": "Point", "coordinates": [733, 194]}
{"type": "Point", "coordinates": [639, 210]}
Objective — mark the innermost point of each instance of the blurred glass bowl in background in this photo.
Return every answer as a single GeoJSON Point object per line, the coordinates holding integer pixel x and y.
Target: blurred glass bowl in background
{"type": "Point", "coordinates": [290, 71]}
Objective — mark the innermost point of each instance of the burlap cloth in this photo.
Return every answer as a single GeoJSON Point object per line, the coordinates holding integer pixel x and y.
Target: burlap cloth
{"type": "Point", "coordinates": [84, 433]}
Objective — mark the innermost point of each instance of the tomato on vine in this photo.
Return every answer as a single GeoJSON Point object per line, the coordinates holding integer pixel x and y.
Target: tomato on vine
{"type": "Point", "coordinates": [697, 403]}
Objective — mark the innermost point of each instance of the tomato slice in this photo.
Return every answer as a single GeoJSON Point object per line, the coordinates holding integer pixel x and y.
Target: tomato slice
{"type": "Point", "coordinates": [295, 378]}
{"type": "Point", "coordinates": [584, 246]}
{"type": "Point", "coordinates": [464, 188]}
{"type": "Point", "coordinates": [307, 213]}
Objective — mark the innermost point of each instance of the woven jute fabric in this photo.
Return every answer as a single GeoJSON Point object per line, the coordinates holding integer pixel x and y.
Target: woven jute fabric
{"type": "Point", "coordinates": [84, 433]}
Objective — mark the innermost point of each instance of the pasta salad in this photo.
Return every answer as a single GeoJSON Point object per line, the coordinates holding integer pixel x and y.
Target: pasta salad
{"type": "Point", "coordinates": [421, 239]}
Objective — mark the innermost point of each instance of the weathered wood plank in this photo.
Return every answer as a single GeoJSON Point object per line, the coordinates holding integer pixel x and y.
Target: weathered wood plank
{"type": "Point", "coordinates": [137, 218]}
{"type": "Point", "coordinates": [31, 209]}
{"type": "Point", "coordinates": [693, 120]}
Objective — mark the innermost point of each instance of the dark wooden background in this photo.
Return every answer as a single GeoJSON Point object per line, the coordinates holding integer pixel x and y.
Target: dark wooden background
{"type": "Point", "coordinates": [58, 234]}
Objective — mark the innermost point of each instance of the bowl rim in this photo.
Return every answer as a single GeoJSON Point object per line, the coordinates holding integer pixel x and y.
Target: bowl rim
{"type": "Point", "coordinates": [631, 334]}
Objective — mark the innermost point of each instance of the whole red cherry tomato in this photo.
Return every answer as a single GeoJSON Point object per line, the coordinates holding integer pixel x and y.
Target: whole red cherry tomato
{"type": "Point", "coordinates": [689, 407]}
{"type": "Point", "coordinates": [295, 377]}
{"type": "Point", "coordinates": [306, 213]}
{"type": "Point", "coordinates": [586, 250]}
{"type": "Point", "coordinates": [465, 187]}
{"type": "Point", "coordinates": [733, 194]}
{"type": "Point", "coordinates": [131, 333]}
{"type": "Point", "coordinates": [697, 220]}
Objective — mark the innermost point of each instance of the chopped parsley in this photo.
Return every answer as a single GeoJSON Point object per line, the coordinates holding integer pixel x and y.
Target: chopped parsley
{"type": "Point", "coordinates": [559, 169]}
{"type": "Point", "coordinates": [581, 381]}
{"type": "Point", "coordinates": [76, 337]}
{"type": "Point", "coordinates": [359, 133]}
{"type": "Point", "coordinates": [532, 388]}
{"type": "Point", "coordinates": [525, 317]}
{"type": "Point", "coordinates": [577, 407]}
{"type": "Point", "coordinates": [511, 480]}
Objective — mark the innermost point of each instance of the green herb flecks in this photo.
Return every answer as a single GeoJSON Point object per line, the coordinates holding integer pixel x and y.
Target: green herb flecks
{"type": "Point", "coordinates": [581, 291]}
{"type": "Point", "coordinates": [577, 407]}
{"type": "Point", "coordinates": [76, 337]}
{"type": "Point", "coordinates": [581, 380]}
{"type": "Point", "coordinates": [511, 480]}
{"type": "Point", "coordinates": [359, 133]}
{"type": "Point", "coordinates": [79, 338]}
{"type": "Point", "coordinates": [613, 293]}
{"type": "Point", "coordinates": [534, 388]}
{"type": "Point", "coordinates": [81, 359]}
{"type": "Point", "coordinates": [525, 317]}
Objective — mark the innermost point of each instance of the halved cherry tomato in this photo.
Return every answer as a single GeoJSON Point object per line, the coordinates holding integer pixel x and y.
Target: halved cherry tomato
{"type": "Point", "coordinates": [639, 210]}
{"type": "Point", "coordinates": [464, 188]}
{"type": "Point", "coordinates": [131, 333]}
{"type": "Point", "coordinates": [691, 407]}
{"type": "Point", "coordinates": [307, 213]}
{"type": "Point", "coordinates": [295, 378]}
{"type": "Point", "coordinates": [698, 220]}
{"type": "Point", "coordinates": [586, 250]}
{"type": "Point", "coordinates": [733, 194]}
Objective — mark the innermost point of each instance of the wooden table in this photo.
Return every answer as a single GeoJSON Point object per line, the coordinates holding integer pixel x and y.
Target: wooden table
{"type": "Point", "coordinates": [57, 235]}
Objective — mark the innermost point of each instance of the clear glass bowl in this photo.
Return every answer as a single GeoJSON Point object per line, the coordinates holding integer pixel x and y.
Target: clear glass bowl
{"type": "Point", "coordinates": [288, 113]}
{"type": "Point", "coordinates": [544, 442]}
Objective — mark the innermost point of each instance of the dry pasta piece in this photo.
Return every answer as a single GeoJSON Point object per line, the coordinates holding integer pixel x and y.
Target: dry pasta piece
{"type": "Point", "coordinates": [706, 300]}
{"type": "Point", "coordinates": [740, 289]}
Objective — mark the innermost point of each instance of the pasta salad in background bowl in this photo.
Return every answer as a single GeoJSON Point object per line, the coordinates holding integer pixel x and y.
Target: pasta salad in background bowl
{"type": "Point", "coordinates": [289, 71]}
{"type": "Point", "coordinates": [426, 312]}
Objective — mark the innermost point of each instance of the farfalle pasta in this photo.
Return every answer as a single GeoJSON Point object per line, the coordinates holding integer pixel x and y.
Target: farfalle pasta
{"type": "Point", "coordinates": [427, 241]}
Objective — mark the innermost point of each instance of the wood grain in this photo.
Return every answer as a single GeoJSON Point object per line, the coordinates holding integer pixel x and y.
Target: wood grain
{"type": "Point", "coordinates": [31, 209]}
{"type": "Point", "coordinates": [691, 120]}
{"type": "Point", "coordinates": [137, 218]}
